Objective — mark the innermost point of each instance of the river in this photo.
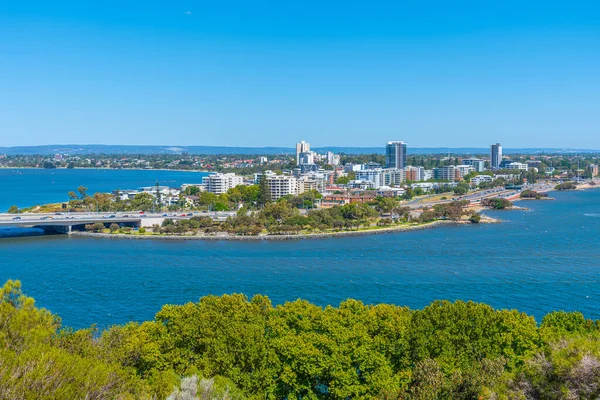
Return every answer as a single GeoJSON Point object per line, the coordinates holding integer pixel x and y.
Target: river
{"type": "Point", "coordinates": [540, 260]}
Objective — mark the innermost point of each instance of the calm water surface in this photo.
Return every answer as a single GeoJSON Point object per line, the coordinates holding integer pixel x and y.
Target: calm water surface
{"type": "Point", "coordinates": [538, 261]}
{"type": "Point", "coordinates": [29, 187]}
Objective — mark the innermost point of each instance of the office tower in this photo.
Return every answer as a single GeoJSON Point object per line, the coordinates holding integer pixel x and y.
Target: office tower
{"type": "Point", "coordinates": [496, 158]}
{"type": "Point", "coordinates": [395, 155]}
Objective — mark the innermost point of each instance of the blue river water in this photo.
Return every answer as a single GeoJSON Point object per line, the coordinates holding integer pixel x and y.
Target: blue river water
{"type": "Point", "coordinates": [28, 186]}
{"type": "Point", "coordinates": [540, 260]}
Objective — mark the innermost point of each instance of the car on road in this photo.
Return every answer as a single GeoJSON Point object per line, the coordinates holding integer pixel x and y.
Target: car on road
{"type": "Point", "coordinates": [44, 218]}
{"type": "Point", "coordinates": [110, 216]}
{"type": "Point", "coordinates": [190, 214]}
{"type": "Point", "coordinates": [165, 215]}
{"type": "Point", "coordinates": [16, 218]}
{"type": "Point", "coordinates": [125, 216]}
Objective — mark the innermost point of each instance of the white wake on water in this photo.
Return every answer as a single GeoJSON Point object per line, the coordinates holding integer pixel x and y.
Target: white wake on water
{"type": "Point", "coordinates": [596, 215]}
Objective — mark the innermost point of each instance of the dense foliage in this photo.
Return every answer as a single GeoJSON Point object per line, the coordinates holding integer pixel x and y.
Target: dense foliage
{"type": "Point", "coordinates": [566, 186]}
{"type": "Point", "coordinates": [532, 194]}
{"type": "Point", "coordinates": [497, 203]}
{"type": "Point", "coordinates": [234, 347]}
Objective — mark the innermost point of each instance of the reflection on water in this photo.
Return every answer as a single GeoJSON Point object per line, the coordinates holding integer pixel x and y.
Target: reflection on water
{"type": "Point", "coordinates": [20, 232]}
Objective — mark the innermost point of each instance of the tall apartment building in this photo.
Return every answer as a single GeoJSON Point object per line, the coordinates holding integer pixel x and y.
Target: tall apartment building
{"type": "Point", "coordinates": [476, 163]}
{"type": "Point", "coordinates": [395, 155]}
{"type": "Point", "coordinates": [220, 183]}
{"type": "Point", "coordinates": [282, 185]}
{"type": "Point", "coordinates": [593, 170]}
{"type": "Point", "coordinates": [301, 147]}
{"type": "Point", "coordinates": [496, 156]}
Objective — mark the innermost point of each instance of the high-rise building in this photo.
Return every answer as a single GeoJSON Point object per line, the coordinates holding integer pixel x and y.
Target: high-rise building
{"type": "Point", "coordinates": [220, 183]}
{"type": "Point", "coordinates": [301, 147]}
{"type": "Point", "coordinates": [395, 155]}
{"type": "Point", "coordinates": [496, 158]}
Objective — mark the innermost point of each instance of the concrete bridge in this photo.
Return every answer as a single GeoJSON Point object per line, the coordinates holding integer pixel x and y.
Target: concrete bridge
{"type": "Point", "coordinates": [65, 224]}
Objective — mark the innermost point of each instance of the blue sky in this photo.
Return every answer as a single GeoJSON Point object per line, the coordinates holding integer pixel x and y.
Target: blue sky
{"type": "Point", "coordinates": [431, 73]}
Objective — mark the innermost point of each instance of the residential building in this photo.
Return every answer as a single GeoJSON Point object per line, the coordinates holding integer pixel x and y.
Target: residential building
{"type": "Point", "coordinates": [427, 174]}
{"type": "Point", "coordinates": [372, 175]}
{"type": "Point", "coordinates": [593, 170]}
{"type": "Point", "coordinates": [258, 176]}
{"type": "Point", "coordinates": [393, 177]}
{"type": "Point", "coordinates": [282, 185]}
{"type": "Point", "coordinates": [219, 183]}
{"type": "Point", "coordinates": [479, 179]}
{"type": "Point", "coordinates": [301, 147]}
{"type": "Point", "coordinates": [371, 165]}
{"type": "Point", "coordinates": [306, 157]}
{"type": "Point", "coordinates": [496, 156]}
{"type": "Point", "coordinates": [516, 165]}
{"type": "Point", "coordinates": [395, 154]}
{"type": "Point", "coordinates": [333, 159]}
{"type": "Point", "coordinates": [446, 173]}
{"type": "Point", "coordinates": [476, 163]}
{"type": "Point", "coordinates": [361, 184]}
{"type": "Point", "coordinates": [414, 174]}
{"type": "Point", "coordinates": [353, 167]}
{"type": "Point", "coordinates": [462, 170]}
{"type": "Point", "coordinates": [504, 163]}
{"type": "Point", "coordinates": [387, 191]}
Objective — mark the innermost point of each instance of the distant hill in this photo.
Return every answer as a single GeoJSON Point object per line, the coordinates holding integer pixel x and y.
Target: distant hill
{"type": "Point", "coordinates": [135, 149]}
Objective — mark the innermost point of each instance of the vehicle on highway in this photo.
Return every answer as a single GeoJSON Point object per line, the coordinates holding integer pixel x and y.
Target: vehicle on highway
{"type": "Point", "coordinates": [126, 216]}
{"type": "Point", "coordinates": [141, 212]}
{"type": "Point", "coordinates": [190, 214]}
{"type": "Point", "coordinates": [165, 215]}
{"type": "Point", "coordinates": [16, 218]}
{"type": "Point", "coordinates": [110, 216]}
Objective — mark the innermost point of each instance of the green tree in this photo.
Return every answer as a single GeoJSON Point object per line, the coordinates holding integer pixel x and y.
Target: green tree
{"type": "Point", "coordinates": [13, 210]}
{"type": "Point", "coordinates": [82, 192]}
{"type": "Point", "coordinates": [264, 194]}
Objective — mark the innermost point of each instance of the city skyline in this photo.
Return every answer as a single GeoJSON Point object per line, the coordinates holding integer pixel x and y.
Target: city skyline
{"type": "Point", "coordinates": [436, 75]}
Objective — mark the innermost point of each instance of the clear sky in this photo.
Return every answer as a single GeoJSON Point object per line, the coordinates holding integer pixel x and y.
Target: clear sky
{"type": "Point", "coordinates": [346, 73]}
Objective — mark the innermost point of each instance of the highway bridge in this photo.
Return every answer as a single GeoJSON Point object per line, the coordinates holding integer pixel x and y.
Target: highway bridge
{"type": "Point", "coordinates": [67, 222]}
{"type": "Point", "coordinates": [60, 224]}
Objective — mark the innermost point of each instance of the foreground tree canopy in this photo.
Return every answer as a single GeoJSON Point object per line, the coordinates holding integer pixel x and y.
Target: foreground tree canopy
{"type": "Point", "coordinates": [236, 348]}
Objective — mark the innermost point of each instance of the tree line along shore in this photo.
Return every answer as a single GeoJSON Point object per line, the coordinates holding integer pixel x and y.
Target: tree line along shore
{"type": "Point", "coordinates": [233, 347]}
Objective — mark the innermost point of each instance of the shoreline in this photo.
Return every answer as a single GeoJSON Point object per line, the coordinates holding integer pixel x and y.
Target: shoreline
{"type": "Point", "coordinates": [322, 235]}
{"type": "Point", "coordinates": [111, 169]}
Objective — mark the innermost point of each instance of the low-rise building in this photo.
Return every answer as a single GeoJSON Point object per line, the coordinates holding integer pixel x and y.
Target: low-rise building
{"type": "Point", "coordinates": [374, 175]}
{"type": "Point", "coordinates": [479, 179]}
{"type": "Point", "coordinates": [476, 163]}
{"type": "Point", "coordinates": [446, 173]}
{"type": "Point", "coordinates": [393, 177]}
{"type": "Point", "coordinates": [414, 174]}
{"type": "Point", "coordinates": [516, 165]}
